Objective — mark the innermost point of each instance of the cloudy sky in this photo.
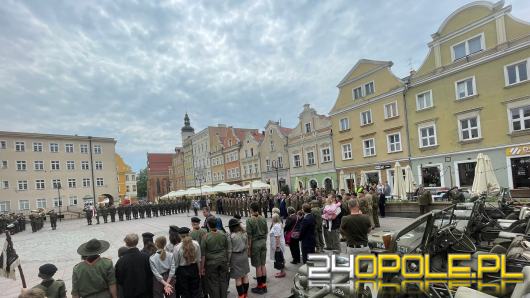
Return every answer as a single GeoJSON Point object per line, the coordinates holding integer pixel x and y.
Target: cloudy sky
{"type": "Point", "coordinates": [131, 69]}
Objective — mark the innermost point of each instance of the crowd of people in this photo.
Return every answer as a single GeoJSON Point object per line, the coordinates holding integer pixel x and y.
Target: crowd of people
{"type": "Point", "coordinates": [204, 257]}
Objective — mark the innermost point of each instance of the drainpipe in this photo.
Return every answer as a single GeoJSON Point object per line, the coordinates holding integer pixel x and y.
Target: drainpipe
{"type": "Point", "coordinates": [92, 170]}
{"type": "Point", "coordinates": [407, 131]}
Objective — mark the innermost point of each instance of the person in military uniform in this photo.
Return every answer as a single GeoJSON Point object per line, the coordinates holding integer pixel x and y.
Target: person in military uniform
{"type": "Point", "coordinates": [52, 288]}
{"type": "Point", "coordinates": [187, 204]}
{"type": "Point", "coordinates": [97, 213]}
{"type": "Point", "coordinates": [155, 210]}
{"type": "Point", "coordinates": [424, 200]}
{"type": "Point", "coordinates": [94, 276]}
{"type": "Point", "coordinates": [128, 211]}
{"type": "Point", "coordinates": [264, 206]}
{"type": "Point", "coordinates": [112, 212]}
{"type": "Point", "coordinates": [33, 220]}
{"type": "Point", "coordinates": [257, 232]}
{"type": "Point", "coordinates": [105, 213]}
{"type": "Point", "coordinates": [88, 214]}
{"type": "Point", "coordinates": [317, 213]}
{"type": "Point", "coordinates": [238, 205]}
{"type": "Point", "coordinates": [215, 256]}
{"type": "Point", "coordinates": [245, 205]}
{"type": "Point", "coordinates": [365, 205]}
{"type": "Point", "coordinates": [141, 209]}
{"type": "Point", "coordinates": [53, 219]}
{"type": "Point", "coordinates": [375, 208]}
{"type": "Point", "coordinates": [120, 212]}
{"type": "Point", "coordinates": [197, 233]}
{"type": "Point", "coordinates": [148, 210]}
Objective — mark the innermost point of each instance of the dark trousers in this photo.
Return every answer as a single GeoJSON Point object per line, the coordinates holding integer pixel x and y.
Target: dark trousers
{"type": "Point", "coordinates": [158, 287]}
{"type": "Point", "coordinates": [53, 224]}
{"type": "Point", "coordinates": [216, 278]}
{"type": "Point", "coordinates": [195, 211]}
{"type": "Point", "coordinates": [189, 285]}
{"type": "Point", "coordinates": [306, 251]}
{"type": "Point", "coordinates": [423, 209]}
{"type": "Point", "coordinates": [382, 200]}
{"type": "Point", "coordinates": [294, 246]}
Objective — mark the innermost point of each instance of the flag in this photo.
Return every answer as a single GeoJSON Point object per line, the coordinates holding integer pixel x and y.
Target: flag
{"type": "Point", "coordinates": [8, 260]}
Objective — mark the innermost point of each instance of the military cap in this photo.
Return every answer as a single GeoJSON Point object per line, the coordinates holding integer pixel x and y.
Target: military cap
{"type": "Point", "coordinates": [184, 230]}
{"type": "Point", "coordinates": [47, 271]}
{"type": "Point", "coordinates": [195, 219]}
{"type": "Point", "coordinates": [148, 236]}
{"type": "Point", "coordinates": [173, 229]}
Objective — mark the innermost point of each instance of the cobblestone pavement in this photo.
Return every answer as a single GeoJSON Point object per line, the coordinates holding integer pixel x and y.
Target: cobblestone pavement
{"type": "Point", "coordinates": [59, 247]}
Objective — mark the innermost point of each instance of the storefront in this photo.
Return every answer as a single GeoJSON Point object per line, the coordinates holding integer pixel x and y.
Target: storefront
{"type": "Point", "coordinates": [326, 180]}
{"type": "Point", "coordinates": [518, 160]}
{"type": "Point", "coordinates": [369, 175]}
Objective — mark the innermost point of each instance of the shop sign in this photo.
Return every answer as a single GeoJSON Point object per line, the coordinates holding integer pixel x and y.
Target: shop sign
{"type": "Point", "coordinates": [519, 150]}
{"type": "Point", "coordinates": [382, 167]}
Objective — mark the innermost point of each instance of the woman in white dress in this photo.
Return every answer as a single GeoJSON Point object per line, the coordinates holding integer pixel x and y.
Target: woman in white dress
{"type": "Point", "coordinates": [277, 245]}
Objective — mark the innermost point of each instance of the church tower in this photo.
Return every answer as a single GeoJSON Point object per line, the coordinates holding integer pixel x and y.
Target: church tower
{"type": "Point", "coordinates": [187, 131]}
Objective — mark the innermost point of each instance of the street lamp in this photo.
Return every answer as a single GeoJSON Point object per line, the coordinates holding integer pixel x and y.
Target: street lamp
{"type": "Point", "coordinates": [276, 167]}
{"type": "Point", "coordinates": [60, 202]}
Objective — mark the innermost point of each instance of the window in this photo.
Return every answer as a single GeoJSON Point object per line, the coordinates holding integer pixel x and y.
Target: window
{"type": "Point", "coordinates": [71, 183]}
{"type": "Point", "coordinates": [268, 163]}
{"type": "Point", "coordinates": [128, 188]}
{"type": "Point", "coordinates": [468, 47]}
{"type": "Point", "coordinates": [41, 203]}
{"type": "Point", "coordinates": [516, 73]}
{"type": "Point", "coordinates": [369, 147]}
{"type": "Point", "coordinates": [469, 128]}
{"type": "Point", "coordinates": [369, 89]}
{"type": "Point", "coordinates": [21, 165]}
{"type": "Point", "coordinates": [97, 149]}
{"type": "Point", "coordinates": [394, 142]}
{"type": "Point", "coordinates": [357, 93]}
{"type": "Point", "coordinates": [70, 165]}
{"type": "Point", "coordinates": [84, 165]}
{"type": "Point", "coordinates": [4, 206]}
{"type": "Point", "coordinates": [4, 164]}
{"type": "Point", "coordinates": [310, 158]}
{"type": "Point", "coordinates": [346, 151]}
{"type": "Point", "coordinates": [99, 181]}
{"type": "Point", "coordinates": [99, 165]}
{"type": "Point", "coordinates": [86, 182]}
{"type": "Point", "coordinates": [366, 117]}
{"type": "Point", "coordinates": [465, 88]}
{"type": "Point", "coordinates": [37, 147]}
{"type": "Point", "coordinates": [431, 176]}
{"type": "Point", "coordinates": [466, 173]}
{"type": "Point", "coordinates": [424, 100]}
{"type": "Point", "coordinates": [55, 165]}
{"type": "Point", "coordinates": [3, 145]}
{"type": "Point", "coordinates": [83, 148]}
{"type": "Point", "coordinates": [56, 183]}
{"type": "Point", "coordinates": [280, 162]}
{"type": "Point", "coordinates": [23, 205]}
{"type": "Point", "coordinates": [22, 185]}
{"type": "Point", "coordinates": [251, 151]}
{"type": "Point", "coordinates": [308, 127]}
{"type": "Point", "coordinates": [344, 124]}
{"type": "Point", "coordinates": [134, 187]}
{"type": "Point", "coordinates": [54, 147]}
{"type": "Point", "coordinates": [5, 184]}
{"type": "Point", "coordinates": [73, 200]}
{"type": "Point", "coordinates": [520, 118]}
{"type": "Point", "coordinates": [427, 135]}
{"type": "Point", "coordinates": [326, 154]}
{"type": "Point", "coordinates": [391, 110]}
{"type": "Point", "coordinates": [38, 165]}
{"type": "Point", "coordinates": [20, 146]}
{"type": "Point", "coordinates": [39, 184]}
{"type": "Point", "coordinates": [69, 148]}
{"type": "Point", "coordinates": [297, 161]}
{"type": "Point", "coordinates": [57, 202]}
{"type": "Point", "coordinates": [272, 145]}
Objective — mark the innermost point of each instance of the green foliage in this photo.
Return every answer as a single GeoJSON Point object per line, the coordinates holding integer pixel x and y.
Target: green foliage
{"type": "Point", "coordinates": [141, 184]}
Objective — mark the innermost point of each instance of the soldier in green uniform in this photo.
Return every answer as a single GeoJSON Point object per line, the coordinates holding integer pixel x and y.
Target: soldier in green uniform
{"type": "Point", "coordinates": [375, 208]}
{"type": "Point", "coordinates": [52, 288]}
{"type": "Point", "coordinates": [94, 277]}
{"type": "Point", "coordinates": [265, 205]}
{"type": "Point", "coordinates": [245, 205]}
{"type": "Point", "coordinates": [317, 213]}
{"type": "Point", "coordinates": [97, 213]}
{"type": "Point", "coordinates": [424, 200]}
{"type": "Point", "coordinates": [257, 245]}
{"type": "Point", "coordinates": [105, 213]}
{"type": "Point", "coordinates": [134, 210]}
{"type": "Point", "coordinates": [197, 234]}
{"type": "Point", "coordinates": [53, 219]}
{"type": "Point", "coordinates": [239, 206]}
{"type": "Point", "coordinates": [33, 221]}
{"type": "Point", "coordinates": [88, 214]}
{"type": "Point", "coordinates": [128, 211]}
{"type": "Point", "coordinates": [121, 210]}
{"type": "Point", "coordinates": [215, 255]}
{"type": "Point", "coordinates": [112, 211]}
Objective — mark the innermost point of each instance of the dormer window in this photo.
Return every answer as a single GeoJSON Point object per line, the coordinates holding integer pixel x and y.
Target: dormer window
{"type": "Point", "coordinates": [357, 93]}
{"type": "Point", "coordinates": [308, 127]}
{"type": "Point", "coordinates": [468, 47]}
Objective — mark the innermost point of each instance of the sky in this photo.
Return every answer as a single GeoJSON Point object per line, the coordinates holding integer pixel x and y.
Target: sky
{"type": "Point", "coordinates": [131, 69]}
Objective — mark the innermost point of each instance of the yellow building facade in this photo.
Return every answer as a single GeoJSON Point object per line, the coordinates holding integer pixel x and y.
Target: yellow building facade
{"type": "Point", "coordinates": [369, 124]}
{"type": "Point", "coordinates": [122, 169]}
{"type": "Point", "coordinates": [472, 95]}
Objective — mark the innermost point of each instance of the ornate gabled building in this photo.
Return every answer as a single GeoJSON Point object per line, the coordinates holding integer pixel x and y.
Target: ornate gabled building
{"type": "Point", "coordinates": [249, 156]}
{"type": "Point", "coordinates": [274, 156]}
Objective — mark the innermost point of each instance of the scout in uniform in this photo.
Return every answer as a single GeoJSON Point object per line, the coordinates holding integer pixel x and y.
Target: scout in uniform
{"type": "Point", "coordinates": [88, 213]}
{"type": "Point", "coordinates": [53, 219]}
{"type": "Point", "coordinates": [52, 288]}
{"type": "Point", "coordinates": [197, 234]}
{"type": "Point", "coordinates": [257, 244]}
{"type": "Point", "coordinates": [112, 211]}
{"type": "Point", "coordinates": [94, 277]}
{"type": "Point", "coordinates": [215, 255]}
{"type": "Point", "coordinates": [105, 213]}
{"type": "Point", "coordinates": [97, 213]}
{"type": "Point", "coordinates": [317, 213]}
{"type": "Point", "coordinates": [375, 208]}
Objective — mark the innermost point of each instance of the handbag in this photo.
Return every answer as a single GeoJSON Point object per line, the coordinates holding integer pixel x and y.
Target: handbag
{"type": "Point", "coordinates": [279, 260]}
{"type": "Point", "coordinates": [289, 235]}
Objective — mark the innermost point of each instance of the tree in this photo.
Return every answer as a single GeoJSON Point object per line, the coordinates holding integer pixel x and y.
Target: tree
{"type": "Point", "coordinates": [141, 184]}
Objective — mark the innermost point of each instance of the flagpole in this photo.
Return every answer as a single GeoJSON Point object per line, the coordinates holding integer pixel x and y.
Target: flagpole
{"type": "Point", "coordinates": [10, 244]}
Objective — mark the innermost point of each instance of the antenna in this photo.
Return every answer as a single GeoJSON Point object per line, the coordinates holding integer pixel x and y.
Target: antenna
{"type": "Point", "coordinates": [410, 64]}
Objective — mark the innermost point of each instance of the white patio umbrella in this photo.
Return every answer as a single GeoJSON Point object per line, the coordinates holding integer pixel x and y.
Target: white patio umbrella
{"type": "Point", "coordinates": [363, 179]}
{"type": "Point", "coordinates": [256, 184]}
{"type": "Point", "coordinates": [399, 183]}
{"type": "Point", "coordinates": [410, 183]}
{"type": "Point", "coordinates": [166, 196]}
{"type": "Point", "coordinates": [485, 180]}
{"type": "Point", "coordinates": [341, 180]}
{"type": "Point", "coordinates": [207, 190]}
{"type": "Point", "coordinates": [179, 193]}
{"type": "Point", "coordinates": [222, 187]}
{"type": "Point", "coordinates": [236, 188]}
{"type": "Point", "coordinates": [193, 191]}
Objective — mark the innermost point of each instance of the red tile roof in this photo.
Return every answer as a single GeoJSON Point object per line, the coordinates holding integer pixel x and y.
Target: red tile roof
{"type": "Point", "coordinates": [285, 131]}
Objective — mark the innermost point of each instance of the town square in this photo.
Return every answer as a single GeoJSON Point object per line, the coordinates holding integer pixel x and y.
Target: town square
{"type": "Point", "coordinates": [230, 148]}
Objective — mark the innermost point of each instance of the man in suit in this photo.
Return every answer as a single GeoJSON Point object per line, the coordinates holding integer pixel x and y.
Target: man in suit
{"type": "Point", "coordinates": [307, 232]}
